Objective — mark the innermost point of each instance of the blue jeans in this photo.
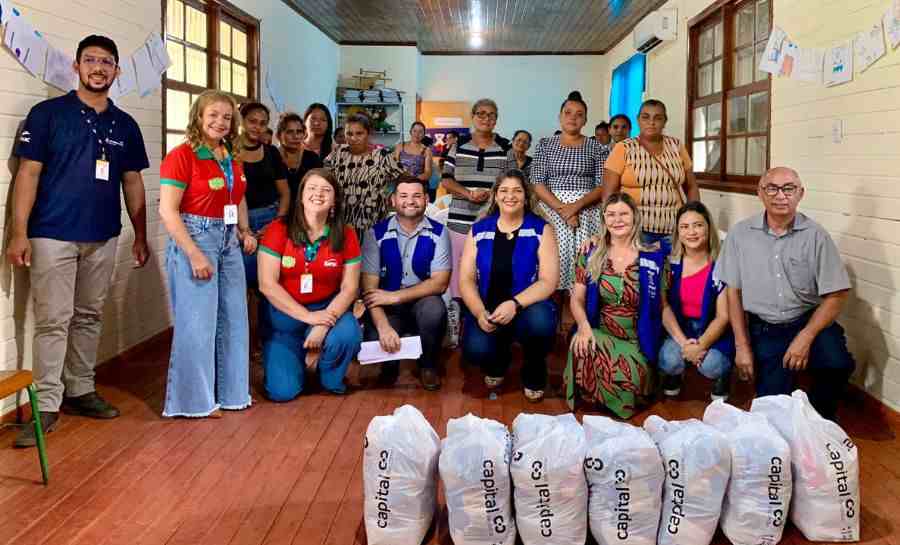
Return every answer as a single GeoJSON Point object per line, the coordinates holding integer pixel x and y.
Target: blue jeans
{"type": "Point", "coordinates": [258, 219]}
{"type": "Point", "coordinates": [665, 241]}
{"type": "Point", "coordinates": [534, 328]}
{"type": "Point", "coordinates": [209, 367]}
{"type": "Point", "coordinates": [671, 361]}
{"type": "Point", "coordinates": [284, 358]}
{"type": "Point", "coordinates": [830, 363]}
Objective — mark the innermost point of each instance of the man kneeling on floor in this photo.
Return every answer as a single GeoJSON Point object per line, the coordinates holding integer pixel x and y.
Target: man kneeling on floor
{"type": "Point", "coordinates": [406, 268]}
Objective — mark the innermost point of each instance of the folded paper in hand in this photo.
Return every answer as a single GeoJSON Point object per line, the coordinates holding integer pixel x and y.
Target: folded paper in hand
{"type": "Point", "coordinates": [371, 351]}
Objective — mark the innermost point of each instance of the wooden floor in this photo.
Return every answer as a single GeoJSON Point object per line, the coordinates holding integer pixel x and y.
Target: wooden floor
{"type": "Point", "coordinates": [291, 473]}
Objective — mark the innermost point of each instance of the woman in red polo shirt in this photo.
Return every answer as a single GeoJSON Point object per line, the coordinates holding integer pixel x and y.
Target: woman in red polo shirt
{"type": "Point", "coordinates": [203, 208]}
{"type": "Point", "coordinates": [309, 272]}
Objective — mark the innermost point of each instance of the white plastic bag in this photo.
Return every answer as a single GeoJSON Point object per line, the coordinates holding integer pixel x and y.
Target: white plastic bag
{"type": "Point", "coordinates": [399, 477]}
{"type": "Point", "coordinates": [474, 466]}
{"type": "Point", "coordinates": [625, 480]}
{"type": "Point", "coordinates": [825, 465]}
{"type": "Point", "coordinates": [697, 464]}
{"type": "Point", "coordinates": [550, 488]}
{"type": "Point", "coordinates": [759, 493]}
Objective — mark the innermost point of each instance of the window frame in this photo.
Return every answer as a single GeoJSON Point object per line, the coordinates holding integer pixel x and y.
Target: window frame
{"type": "Point", "coordinates": [216, 11]}
{"type": "Point", "coordinates": [724, 11]}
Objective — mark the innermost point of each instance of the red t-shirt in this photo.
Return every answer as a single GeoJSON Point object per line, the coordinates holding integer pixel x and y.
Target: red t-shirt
{"type": "Point", "coordinates": [692, 288]}
{"type": "Point", "coordinates": [200, 176]}
{"type": "Point", "coordinates": [327, 268]}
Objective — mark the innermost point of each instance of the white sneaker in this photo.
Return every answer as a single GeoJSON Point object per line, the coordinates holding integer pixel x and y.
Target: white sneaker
{"type": "Point", "coordinates": [533, 395]}
{"type": "Point", "coordinates": [493, 382]}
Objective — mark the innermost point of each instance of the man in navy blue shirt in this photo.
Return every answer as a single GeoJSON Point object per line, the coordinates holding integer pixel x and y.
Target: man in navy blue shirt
{"type": "Point", "coordinates": [75, 151]}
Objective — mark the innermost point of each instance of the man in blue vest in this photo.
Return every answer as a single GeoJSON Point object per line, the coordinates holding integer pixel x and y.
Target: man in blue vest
{"type": "Point", "coordinates": [406, 267]}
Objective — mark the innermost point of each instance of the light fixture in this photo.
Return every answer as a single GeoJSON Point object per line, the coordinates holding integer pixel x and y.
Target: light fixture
{"type": "Point", "coordinates": [475, 17]}
{"type": "Point", "coordinates": [475, 40]}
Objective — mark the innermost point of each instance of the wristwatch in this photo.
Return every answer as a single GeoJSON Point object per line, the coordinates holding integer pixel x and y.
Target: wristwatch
{"type": "Point", "coordinates": [519, 306]}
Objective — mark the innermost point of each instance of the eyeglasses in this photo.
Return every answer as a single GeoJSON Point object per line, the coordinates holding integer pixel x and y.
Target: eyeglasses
{"type": "Point", "coordinates": [104, 62]}
{"type": "Point", "coordinates": [788, 190]}
{"type": "Point", "coordinates": [486, 115]}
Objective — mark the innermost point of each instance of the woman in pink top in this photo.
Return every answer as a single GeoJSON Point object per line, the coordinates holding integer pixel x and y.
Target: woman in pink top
{"type": "Point", "coordinates": [695, 312]}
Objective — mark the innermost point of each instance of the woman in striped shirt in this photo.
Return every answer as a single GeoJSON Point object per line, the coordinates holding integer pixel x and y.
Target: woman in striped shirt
{"type": "Point", "coordinates": [469, 173]}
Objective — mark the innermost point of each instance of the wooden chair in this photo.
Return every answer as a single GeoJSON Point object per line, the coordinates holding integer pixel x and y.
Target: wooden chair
{"type": "Point", "coordinates": [14, 381]}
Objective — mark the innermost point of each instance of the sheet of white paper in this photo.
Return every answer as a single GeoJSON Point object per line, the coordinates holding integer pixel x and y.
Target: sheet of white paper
{"type": "Point", "coordinates": [25, 43]}
{"type": "Point", "coordinates": [148, 78]}
{"type": "Point", "coordinates": [126, 82]}
{"type": "Point", "coordinates": [273, 94]}
{"type": "Point", "coordinates": [789, 53]}
{"type": "Point", "coordinates": [839, 64]}
{"type": "Point", "coordinates": [772, 56]}
{"type": "Point", "coordinates": [5, 11]}
{"type": "Point", "coordinates": [808, 65]}
{"type": "Point", "coordinates": [892, 28]}
{"type": "Point", "coordinates": [370, 352]}
{"type": "Point", "coordinates": [159, 55]}
{"type": "Point", "coordinates": [868, 47]}
{"type": "Point", "coordinates": [59, 72]}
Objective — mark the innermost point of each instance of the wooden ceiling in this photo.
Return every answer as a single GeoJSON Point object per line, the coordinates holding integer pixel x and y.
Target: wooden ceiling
{"type": "Point", "coordinates": [443, 27]}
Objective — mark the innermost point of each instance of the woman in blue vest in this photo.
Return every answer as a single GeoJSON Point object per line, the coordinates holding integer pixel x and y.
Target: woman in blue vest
{"type": "Point", "coordinates": [695, 312]}
{"type": "Point", "coordinates": [617, 305]}
{"type": "Point", "coordinates": [508, 271]}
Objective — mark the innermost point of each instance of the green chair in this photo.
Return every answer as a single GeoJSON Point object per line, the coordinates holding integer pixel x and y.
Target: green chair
{"type": "Point", "coordinates": [14, 381]}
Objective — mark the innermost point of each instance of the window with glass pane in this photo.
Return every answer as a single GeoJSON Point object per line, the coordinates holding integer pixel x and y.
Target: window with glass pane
{"type": "Point", "coordinates": [211, 44]}
{"type": "Point", "coordinates": [729, 97]}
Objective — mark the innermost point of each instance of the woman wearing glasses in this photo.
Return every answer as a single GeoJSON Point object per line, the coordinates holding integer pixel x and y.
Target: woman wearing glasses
{"type": "Point", "coordinates": [469, 173]}
{"type": "Point", "coordinates": [655, 170]}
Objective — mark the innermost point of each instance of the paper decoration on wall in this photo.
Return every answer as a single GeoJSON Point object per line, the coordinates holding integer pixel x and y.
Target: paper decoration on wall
{"type": "Point", "coordinates": [868, 47]}
{"type": "Point", "coordinates": [892, 28]}
{"type": "Point", "coordinates": [273, 94]}
{"type": "Point", "coordinates": [789, 53]}
{"type": "Point", "coordinates": [26, 44]}
{"type": "Point", "coordinates": [147, 76]}
{"type": "Point", "coordinates": [773, 56]}
{"type": "Point", "coordinates": [59, 72]}
{"type": "Point", "coordinates": [839, 64]}
{"type": "Point", "coordinates": [126, 82]}
{"type": "Point", "coordinates": [808, 65]}
{"type": "Point", "coordinates": [159, 55]}
{"type": "Point", "coordinates": [5, 11]}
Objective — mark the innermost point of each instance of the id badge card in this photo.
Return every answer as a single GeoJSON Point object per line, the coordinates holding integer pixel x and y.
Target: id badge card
{"type": "Point", "coordinates": [101, 171]}
{"type": "Point", "coordinates": [306, 283]}
{"type": "Point", "coordinates": [230, 214]}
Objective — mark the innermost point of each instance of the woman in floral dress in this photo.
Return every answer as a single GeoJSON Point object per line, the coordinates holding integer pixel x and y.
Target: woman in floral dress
{"type": "Point", "coordinates": [617, 306]}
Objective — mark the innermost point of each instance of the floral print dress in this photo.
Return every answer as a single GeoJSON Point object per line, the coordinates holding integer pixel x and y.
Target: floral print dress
{"type": "Point", "coordinates": [617, 374]}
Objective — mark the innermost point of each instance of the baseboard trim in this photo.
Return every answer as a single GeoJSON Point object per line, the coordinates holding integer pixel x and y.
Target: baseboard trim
{"type": "Point", "coordinates": [17, 414]}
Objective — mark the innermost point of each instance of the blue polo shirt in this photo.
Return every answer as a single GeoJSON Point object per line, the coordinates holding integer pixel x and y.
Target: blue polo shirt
{"type": "Point", "coordinates": [68, 137]}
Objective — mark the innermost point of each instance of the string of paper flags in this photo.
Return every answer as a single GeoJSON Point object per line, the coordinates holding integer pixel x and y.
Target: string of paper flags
{"type": "Point", "coordinates": [833, 65]}
{"type": "Point", "coordinates": [141, 71]}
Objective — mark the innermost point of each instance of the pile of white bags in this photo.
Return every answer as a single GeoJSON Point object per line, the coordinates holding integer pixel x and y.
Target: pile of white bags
{"type": "Point", "coordinates": [825, 464]}
{"type": "Point", "coordinates": [399, 477]}
{"type": "Point", "coordinates": [759, 492]}
{"type": "Point", "coordinates": [697, 462]}
{"type": "Point", "coordinates": [550, 487]}
{"type": "Point", "coordinates": [625, 477]}
{"type": "Point", "coordinates": [474, 466]}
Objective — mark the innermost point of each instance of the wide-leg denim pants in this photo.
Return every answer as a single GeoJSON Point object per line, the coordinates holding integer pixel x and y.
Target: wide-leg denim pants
{"type": "Point", "coordinates": [284, 358]}
{"type": "Point", "coordinates": [209, 367]}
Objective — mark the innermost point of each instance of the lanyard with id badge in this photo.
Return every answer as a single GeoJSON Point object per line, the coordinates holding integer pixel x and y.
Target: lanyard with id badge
{"type": "Point", "coordinates": [310, 251]}
{"type": "Point", "coordinates": [230, 211]}
{"type": "Point", "coordinates": [101, 165]}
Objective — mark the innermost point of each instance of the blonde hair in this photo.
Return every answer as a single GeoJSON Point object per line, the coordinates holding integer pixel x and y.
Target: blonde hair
{"type": "Point", "coordinates": [598, 255]}
{"type": "Point", "coordinates": [485, 102]}
{"type": "Point", "coordinates": [712, 234]}
{"type": "Point", "coordinates": [194, 132]}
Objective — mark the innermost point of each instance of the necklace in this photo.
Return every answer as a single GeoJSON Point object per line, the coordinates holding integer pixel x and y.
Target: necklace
{"type": "Point", "coordinates": [511, 234]}
{"type": "Point", "coordinates": [253, 148]}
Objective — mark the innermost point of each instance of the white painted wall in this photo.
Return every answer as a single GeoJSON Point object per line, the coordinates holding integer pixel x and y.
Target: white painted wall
{"type": "Point", "coordinates": [401, 64]}
{"type": "Point", "coordinates": [527, 89]}
{"type": "Point", "coordinates": [852, 187]}
{"type": "Point", "coordinates": [137, 306]}
{"type": "Point", "coordinates": [305, 61]}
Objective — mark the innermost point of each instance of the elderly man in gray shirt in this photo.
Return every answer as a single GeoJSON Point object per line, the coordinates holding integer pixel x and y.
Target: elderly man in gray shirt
{"type": "Point", "coordinates": [786, 286]}
{"type": "Point", "coordinates": [405, 269]}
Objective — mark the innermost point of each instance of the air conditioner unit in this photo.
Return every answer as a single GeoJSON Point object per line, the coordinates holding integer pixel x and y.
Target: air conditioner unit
{"type": "Point", "coordinates": [655, 28]}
